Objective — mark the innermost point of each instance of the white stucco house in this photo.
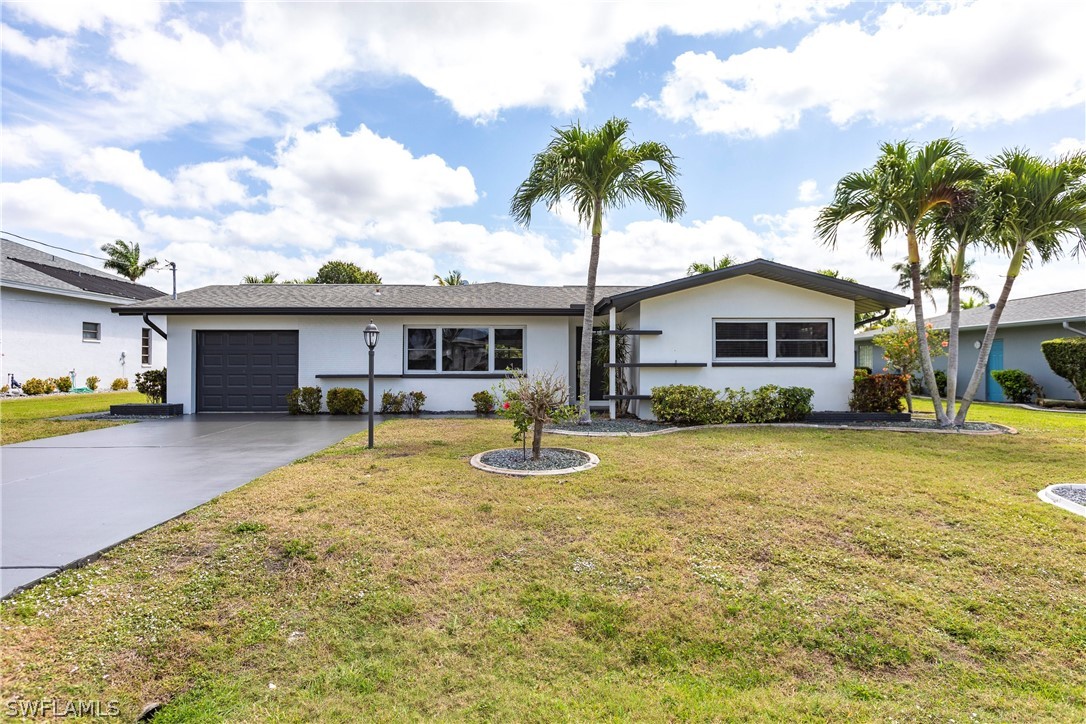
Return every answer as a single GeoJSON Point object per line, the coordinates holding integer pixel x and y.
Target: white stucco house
{"type": "Point", "coordinates": [242, 348]}
{"type": "Point", "coordinates": [55, 320]}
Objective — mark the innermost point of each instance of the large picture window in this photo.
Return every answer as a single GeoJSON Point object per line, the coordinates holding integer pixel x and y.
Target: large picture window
{"type": "Point", "coordinates": [463, 349]}
{"type": "Point", "coordinates": [771, 340]}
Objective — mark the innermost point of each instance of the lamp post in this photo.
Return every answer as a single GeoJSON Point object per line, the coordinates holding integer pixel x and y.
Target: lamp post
{"type": "Point", "coordinates": [371, 333]}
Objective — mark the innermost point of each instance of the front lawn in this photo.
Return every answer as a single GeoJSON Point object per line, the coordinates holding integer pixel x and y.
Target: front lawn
{"type": "Point", "coordinates": [744, 573]}
{"type": "Point", "coordinates": [29, 418]}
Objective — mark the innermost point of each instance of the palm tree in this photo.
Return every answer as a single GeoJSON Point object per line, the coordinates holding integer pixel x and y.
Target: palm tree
{"type": "Point", "coordinates": [1037, 206]}
{"type": "Point", "coordinates": [597, 170]}
{"type": "Point", "coordinates": [452, 279]}
{"type": "Point", "coordinates": [938, 274]}
{"type": "Point", "coordinates": [124, 258]}
{"type": "Point", "coordinates": [894, 197]}
{"type": "Point", "coordinates": [700, 267]}
{"type": "Point", "coordinates": [268, 278]}
{"type": "Point", "coordinates": [970, 303]}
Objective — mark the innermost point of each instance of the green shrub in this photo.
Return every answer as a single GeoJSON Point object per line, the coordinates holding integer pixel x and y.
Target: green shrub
{"type": "Point", "coordinates": [346, 401]}
{"type": "Point", "coordinates": [940, 381]}
{"type": "Point", "coordinates": [34, 386]}
{"type": "Point", "coordinates": [414, 402]}
{"type": "Point", "coordinates": [4, 389]}
{"type": "Point", "coordinates": [691, 404]}
{"type": "Point", "coordinates": [50, 384]}
{"type": "Point", "coordinates": [152, 383]}
{"type": "Point", "coordinates": [64, 384]}
{"type": "Point", "coordinates": [1067, 358]}
{"type": "Point", "coordinates": [878, 393]}
{"type": "Point", "coordinates": [304, 401]}
{"type": "Point", "coordinates": [92, 382]}
{"type": "Point", "coordinates": [1017, 385]}
{"type": "Point", "coordinates": [860, 372]}
{"type": "Point", "coordinates": [393, 402]}
{"type": "Point", "coordinates": [483, 401]}
{"type": "Point", "coordinates": [121, 383]}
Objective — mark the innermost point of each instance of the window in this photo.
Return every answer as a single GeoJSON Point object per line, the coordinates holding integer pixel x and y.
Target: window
{"type": "Point", "coordinates": [463, 349]}
{"type": "Point", "coordinates": [865, 356]}
{"type": "Point", "coordinates": [757, 340]}
{"type": "Point", "coordinates": [145, 346]}
{"type": "Point", "coordinates": [92, 332]}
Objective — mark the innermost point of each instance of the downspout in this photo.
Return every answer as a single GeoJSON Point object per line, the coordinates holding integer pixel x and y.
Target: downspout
{"type": "Point", "coordinates": [878, 317]}
{"type": "Point", "coordinates": [152, 325]}
{"type": "Point", "coordinates": [612, 371]}
{"type": "Point", "coordinates": [1069, 328]}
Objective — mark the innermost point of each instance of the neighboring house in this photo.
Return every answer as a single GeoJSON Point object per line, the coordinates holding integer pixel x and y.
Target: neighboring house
{"type": "Point", "coordinates": [1025, 323]}
{"type": "Point", "coordinates": [56, 320]}
{"type": "Point", "coordinates": [242, 348]}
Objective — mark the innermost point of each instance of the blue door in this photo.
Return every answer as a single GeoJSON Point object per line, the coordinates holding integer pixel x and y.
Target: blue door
{"type": "Point", "coordinates": [993, 392]}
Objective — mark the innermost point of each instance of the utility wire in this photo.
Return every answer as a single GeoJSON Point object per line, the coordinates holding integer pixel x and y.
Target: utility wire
{"type": "Point", "coordinates": [52, 246]}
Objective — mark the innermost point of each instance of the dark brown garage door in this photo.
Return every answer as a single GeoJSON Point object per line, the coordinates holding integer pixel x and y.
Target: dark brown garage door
{"type": "Point", "coordinates": [245, 371]}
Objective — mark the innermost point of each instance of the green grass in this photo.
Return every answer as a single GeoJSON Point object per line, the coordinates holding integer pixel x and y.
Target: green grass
{"type": "Point", "coordinates": [30, 418]}
{"type": "Point", "coordinates": [723, 574]}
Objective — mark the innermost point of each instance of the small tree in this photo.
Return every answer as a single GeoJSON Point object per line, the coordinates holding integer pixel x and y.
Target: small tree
{"type": "Point", "coordinates": [902, 350]}
{"type": "Point", "coordinates": [531, 401]}
{"type": "Point", "coordinates": [344, 272]}
{"type": "Point", "coordinates": [1067, 358]}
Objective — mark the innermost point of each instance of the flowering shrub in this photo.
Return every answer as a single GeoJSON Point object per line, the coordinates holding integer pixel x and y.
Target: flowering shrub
{"type": "Point", "coordinates": [533, 401]}
{"type": "Point", "coordinates": [483, 401]}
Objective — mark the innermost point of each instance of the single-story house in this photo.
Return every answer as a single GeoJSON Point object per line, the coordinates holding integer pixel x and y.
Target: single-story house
{"type": "Point", "coordinates": [243, 348]}
{"type": "Point", "coordinates": [1024, 324]}
{"type": "Point", "coordinates": [56, 320]}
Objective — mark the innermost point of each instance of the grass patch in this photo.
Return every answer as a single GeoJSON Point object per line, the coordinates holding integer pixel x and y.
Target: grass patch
{"type": "Point", "coordinates": [785, 574]}
{"type": "Point", "coordinates": [30, 418]}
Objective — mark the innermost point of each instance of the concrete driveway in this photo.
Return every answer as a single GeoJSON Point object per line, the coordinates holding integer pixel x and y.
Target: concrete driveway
{"type": "Point", "coordinates": [65, 499]}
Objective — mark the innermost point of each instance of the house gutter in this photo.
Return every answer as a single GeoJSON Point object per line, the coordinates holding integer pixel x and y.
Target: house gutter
{"type": "Point", "coordinates": [877, 318]}
{"type": "Point", "coordinates": [1069, 328]}
{"type": "Point", "coordinates": [152, 325]}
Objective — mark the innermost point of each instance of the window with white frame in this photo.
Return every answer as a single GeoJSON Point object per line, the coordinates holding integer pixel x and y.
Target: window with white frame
{"type": "Point", "coordinates": [459, 349]}
{"type": "Point", "coordinates": [773, 340]}
{"type": "Point", "coordinates": [92, 332]}
{"type": "Point", "coordinates": [145, 346]}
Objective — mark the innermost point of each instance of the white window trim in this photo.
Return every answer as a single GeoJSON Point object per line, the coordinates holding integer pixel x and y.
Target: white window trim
{"type": "Point", "coordinates": [439, 348]}
{"type": "Point", "coordinates": [771, 332]}
{"type": "Point", "coordinates": [150, 347]}
{"type": "Point", "coordinates": [83, 333]}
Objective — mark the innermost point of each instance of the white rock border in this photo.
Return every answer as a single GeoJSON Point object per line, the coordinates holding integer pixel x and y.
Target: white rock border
{"type": "Point", "coordinates": [1002, 429]}
{"type": "Point", "coordinates": [1048, 495]}
{"type": "Point", "coordinates": [477, 462]}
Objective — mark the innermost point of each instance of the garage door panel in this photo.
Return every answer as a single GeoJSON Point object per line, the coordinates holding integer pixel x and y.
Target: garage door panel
{"type": "Point", "coordinates": [241, 371]}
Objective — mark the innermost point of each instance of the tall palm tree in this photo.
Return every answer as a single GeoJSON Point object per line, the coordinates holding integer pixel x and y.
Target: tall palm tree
{"type": "Point", "coordinates": [268, 278]}
{"type": "Point", "coordinates": [452, 279]}
{"type": "Point", "coordinates": [597, 170]}
{"type": "Point", "coordinates": [938, 274]}
{"type": "Point", "coordinates": [700, 267]}
{"type": "Point", "coordinates": [1037, 207]}
{"type": "Point", "coordinates": [124, 258]}
{"type": "Point", "coordinates": [893, 198]}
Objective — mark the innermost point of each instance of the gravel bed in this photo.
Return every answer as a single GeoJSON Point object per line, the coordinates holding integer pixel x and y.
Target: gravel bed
{"type": "Point", "coordinates": [1072, 493]}
{"type": "Point", "coordinates": [549, 459]}
{"type": "Point", "coordinates": [622, 424]}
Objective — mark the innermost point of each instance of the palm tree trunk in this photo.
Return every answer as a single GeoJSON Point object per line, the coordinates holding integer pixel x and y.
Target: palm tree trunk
{"type": "Point", "coordinates": [922, 341]}
{"type": "Point", "coordinates": [589, 317]}
{"type": "Point", "coordinates": [955, 322]}
{"type": "Point", "coordinates": [989, 334]}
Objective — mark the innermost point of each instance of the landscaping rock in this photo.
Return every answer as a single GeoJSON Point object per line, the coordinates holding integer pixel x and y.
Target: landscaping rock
{"type": "Point", "coordinates": [1076, 494]}
{"type": "Point", "coordinates": [550, 459]}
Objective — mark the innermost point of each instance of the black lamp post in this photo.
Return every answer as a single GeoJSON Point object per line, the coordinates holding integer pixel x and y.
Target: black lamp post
{"type": "Point", "coordinates": [371, 334]}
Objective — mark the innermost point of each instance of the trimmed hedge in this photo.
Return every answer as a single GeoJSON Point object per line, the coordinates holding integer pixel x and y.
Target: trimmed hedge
{"type": "Point", "coordinates": [415, 401]}
{"type": "Point", "coordinates": [1067, 358]}
{"type": "Point", "coordinates": [304, 401]}
{"type": "Point", "coordinates": [392, 402]}
{"type": "Point", "coordinates": [878, 393]}
{"type": "Point", "coordinates": [64, 384]}
{"type": "Point", "coordinates": [695, 405]}
{"type": "Point", "coordinates": [121, 383]}
{"type": "Point", "coordinates": [152, 383]}
{"type": "Point", "coordinates": [92, 382]}
{"type": "Point", "coordinates": [345, 401]}
{"type": "Point", "coordinates": [1017, 385]}
{"type": "Point", "coordinates": [34, 386]}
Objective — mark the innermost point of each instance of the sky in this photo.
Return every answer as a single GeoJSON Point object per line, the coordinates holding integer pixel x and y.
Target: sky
{"type": "Point", "coordinates": [237, 139]}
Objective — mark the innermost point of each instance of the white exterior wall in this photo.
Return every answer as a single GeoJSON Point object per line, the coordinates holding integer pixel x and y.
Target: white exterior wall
{"type": "Point", "coordinates": [686, 318]}
{"type": "Point", "coordinates": [42, 336]}
{"type": "Point", "coordinates": [334, 345]}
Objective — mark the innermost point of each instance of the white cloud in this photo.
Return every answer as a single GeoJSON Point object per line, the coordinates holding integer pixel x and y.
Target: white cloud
{"type": "Point", "coordinates": [71, 16]}
{"type": "Point", "coordinates": [125, 170]}
{"type": "Point", "coordinates": [43, 205]}
{"type": "Point", "coordinates": [33, 145]}
{"type": "Point", "coordinates": [1068, 145]}
{"type": "Point", "coordinates": [969, 63]}
{"type": "Point", "coordinates": [808, 191]}
{"type": "Point", "coordinates": [49, 52]}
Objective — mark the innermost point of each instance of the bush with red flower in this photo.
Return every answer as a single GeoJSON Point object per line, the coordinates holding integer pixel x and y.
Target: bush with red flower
{"type": "Point", "coordinates": [531, 401]}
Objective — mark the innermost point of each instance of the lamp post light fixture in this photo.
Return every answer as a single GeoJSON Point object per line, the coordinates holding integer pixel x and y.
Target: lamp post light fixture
{"type": "Point", "coordinates": [371, 333]}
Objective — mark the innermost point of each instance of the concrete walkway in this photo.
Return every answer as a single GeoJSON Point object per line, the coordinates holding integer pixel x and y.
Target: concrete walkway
{"type": "Point", "coordinates": [65, 499]}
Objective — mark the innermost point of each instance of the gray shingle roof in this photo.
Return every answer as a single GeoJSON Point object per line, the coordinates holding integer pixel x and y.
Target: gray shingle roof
{"type": "Point", "coordinates": [21, 264]}
{"type": "Point", "coordinates": [1044, 309]}
{"type": "Point", "coordinates": [489, 298]}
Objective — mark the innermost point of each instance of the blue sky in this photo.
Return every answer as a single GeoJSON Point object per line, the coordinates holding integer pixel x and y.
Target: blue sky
{"type": "Point", "coordinates": [241, 139]}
